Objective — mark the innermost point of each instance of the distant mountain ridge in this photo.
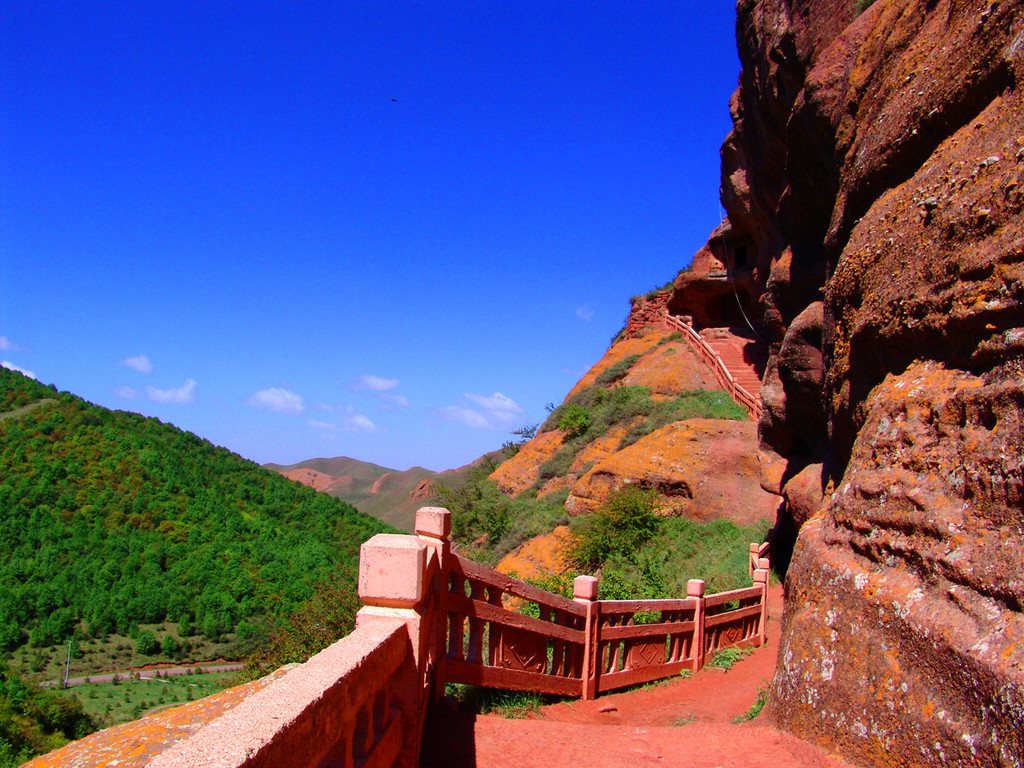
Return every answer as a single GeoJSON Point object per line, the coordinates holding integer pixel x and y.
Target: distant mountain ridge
{"type": "Point", "coordinates": [390, 495]}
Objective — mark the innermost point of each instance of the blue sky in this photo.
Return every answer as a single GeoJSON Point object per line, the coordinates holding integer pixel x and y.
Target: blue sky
{"type": "Point", "coordinates": [386, 230]}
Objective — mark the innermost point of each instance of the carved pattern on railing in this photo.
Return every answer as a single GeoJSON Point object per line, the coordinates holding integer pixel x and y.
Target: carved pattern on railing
{"type": "Point", "coordinates": [750, 401]}
{"type": "Point", "coordinates": [732, 619]}
{"type": "Point", "coordinates": [586, 646]}
{"type": "Point", "coordinates": [505, 648]}
{"type": "Point", "coordinates": [631, 652]}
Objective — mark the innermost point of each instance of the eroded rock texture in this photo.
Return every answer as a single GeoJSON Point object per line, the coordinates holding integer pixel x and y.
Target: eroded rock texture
{"type": "Point", "coordinates": [877, 161]}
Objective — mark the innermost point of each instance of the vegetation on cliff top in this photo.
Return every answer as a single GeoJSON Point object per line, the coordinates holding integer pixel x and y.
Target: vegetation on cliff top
{"type": "Point", "coordinates": [592, 412]}
{"type": "Point", "coordinates": [115, 523]}
{"type": "Point", "coordinates": [34, 721]}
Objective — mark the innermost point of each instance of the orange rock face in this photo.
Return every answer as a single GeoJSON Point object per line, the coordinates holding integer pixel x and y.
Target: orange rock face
{"type": "Point", "coordinates": [540, 556]}
{"type": "Point", "coordinates": [667, 369]}
{"type": "Point", "coordinates": [664, 363]}
{"type": "Point", "coordinates": [702, 468]}
{"type": "Point", "coordinates": [518, 473]}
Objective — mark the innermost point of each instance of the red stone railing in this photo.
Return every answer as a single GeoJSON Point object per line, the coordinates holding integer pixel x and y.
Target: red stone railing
{"type": "Point", "coordinates": [759, 554]}
{"type": "Point", "coordinates": [432, 617]}
{"type": "Point", "coordinates": [504, 633]}
{"type": "Point", "coordinates": [490, 644]}
{"type": "Point", "coordinates": [709, 357]}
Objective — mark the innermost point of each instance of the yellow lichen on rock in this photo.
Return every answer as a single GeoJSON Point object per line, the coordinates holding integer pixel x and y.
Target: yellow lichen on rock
{"type": "Point", "coordinates": [540, 556]}
{"type": "Point", "coordinates": [701, 468]}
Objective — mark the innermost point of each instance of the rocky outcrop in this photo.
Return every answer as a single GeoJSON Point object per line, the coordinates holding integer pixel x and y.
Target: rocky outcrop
{"type": "Point", "coordinates": [723, 285]}
{"type": "Point", "coordinates": [876, 160]}
{"type": "Point", "coordinates": [516, 474]}
{"type": "Point", "coordinates": [705, 469]}
{"type": "Point", "coordinates": [646, 312]}
{"type": "Point", "coordinates": [702, 469]}
{"type": "Point", "coordinates": [541, 556]}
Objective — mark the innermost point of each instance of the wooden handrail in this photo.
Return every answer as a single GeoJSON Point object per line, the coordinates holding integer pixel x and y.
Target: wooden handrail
{"type": "Point", "coordinates": [638, 606]}
{"type": "Point", "coordinates": [512, 586]}
{"type": "Point", "coordinates": [725, 378]}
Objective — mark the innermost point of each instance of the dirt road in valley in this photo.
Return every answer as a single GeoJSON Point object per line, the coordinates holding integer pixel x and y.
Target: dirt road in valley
{"type": "Point", "coordinates": [147, 673]}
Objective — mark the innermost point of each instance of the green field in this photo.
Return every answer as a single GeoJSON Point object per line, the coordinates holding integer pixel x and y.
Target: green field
{"type": "Point", "coordinates": [91, 656]}
{"type": "Point", "coordinates": [129, 699]}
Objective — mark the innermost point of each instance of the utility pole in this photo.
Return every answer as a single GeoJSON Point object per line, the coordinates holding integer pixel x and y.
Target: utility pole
{"type": "Point", "coordinates": [67, 665]}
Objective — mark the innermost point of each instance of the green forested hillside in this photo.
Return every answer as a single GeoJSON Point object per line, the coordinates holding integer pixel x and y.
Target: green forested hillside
{"type": "Point", "coordinates": [34, 721]}
{"type": "Point", "coordinates": [109, 520]}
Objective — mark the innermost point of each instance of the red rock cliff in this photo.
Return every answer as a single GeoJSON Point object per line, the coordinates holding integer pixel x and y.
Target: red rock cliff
{"type": "Point", "coordinates": [876, 161]}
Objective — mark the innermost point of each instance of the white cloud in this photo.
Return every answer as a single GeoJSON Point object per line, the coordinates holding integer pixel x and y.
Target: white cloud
{"type": "Point", "coordinates": [585, 313]}
{"type": "Point", "coordinates": [465, 416]}
{"type": "Point", "coordinates": [12, 367]}
{"type": "Point", "coordinates": [495, 411]}
{"type": "Point", "coordinates": [496, 404]}
{"type": "Point", "coordinates": [375, 383]}
{"type": "Point", "coordinates": [126, 393]}
{"type": "Point", "coordinates": [359, 423]}
{"type": "Point", "coordinates": [138, 363]}
{"type": "Point", "coordinates": [391, 401]}
{"type": "Point", "coordinates": [350, 422]}
{"type": "Point", "coordinates": [6, 345]}
{"type": "Point", "coordinates": [280, 400]}
{"type": "Point", "coordinates": [183, 395]}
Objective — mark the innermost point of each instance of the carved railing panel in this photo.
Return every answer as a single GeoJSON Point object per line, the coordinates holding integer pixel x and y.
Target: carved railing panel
{"type": "Point", "coordinates": [732, 619]}
{"type": "Point", "coordinates": [489, 644]}
{"type": "Point", "coordinates": [629, 652]}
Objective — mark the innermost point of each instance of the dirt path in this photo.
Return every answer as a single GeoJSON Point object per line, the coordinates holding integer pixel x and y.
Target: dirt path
{"type": "Point", "coordinates": [681, 722]}
{"type": "Point", "coordinates": [18, 412]}
{"type": "Point", "coordinates": [147, 673]}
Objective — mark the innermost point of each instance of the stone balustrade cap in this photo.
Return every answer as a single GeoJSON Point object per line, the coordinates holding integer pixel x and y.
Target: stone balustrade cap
{"type": "Point", "coordinates": [435, 522]}
{"type": "Point", "coordinates": [585, 588]}
{"type": "Point", "coordinates": [391, 570]}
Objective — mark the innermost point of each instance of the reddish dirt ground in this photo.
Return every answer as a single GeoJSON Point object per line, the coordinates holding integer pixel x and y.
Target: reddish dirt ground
{"type": "Point", "coordinates": [681, 722]}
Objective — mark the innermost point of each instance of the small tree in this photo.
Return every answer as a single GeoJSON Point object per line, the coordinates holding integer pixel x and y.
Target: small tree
{"type": "Point", "coordinates": [170, 646]}
{"type": "Point", "coordinates": [626, 522]}
{"type": "Point", "coordinates": [575, 420]}
{"type": "Point", "coordinates": [146, 643]}
{"type": "Point", "coordinates": [525, 434]}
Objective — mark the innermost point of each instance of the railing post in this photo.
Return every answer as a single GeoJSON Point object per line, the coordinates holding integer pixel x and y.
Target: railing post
{"type": "Point", "coordinates": [392, 585]}
{"type": "Point", "coordinates": [695, 589]}
{"type": "Point", "coordinates": [584, 591]}
{"type": "Point", "coordinates": [433, 528]}
{"type": "Point", "coordinates": [761, 578]}
{"type": "Point", "coordinates": [755, 553]}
